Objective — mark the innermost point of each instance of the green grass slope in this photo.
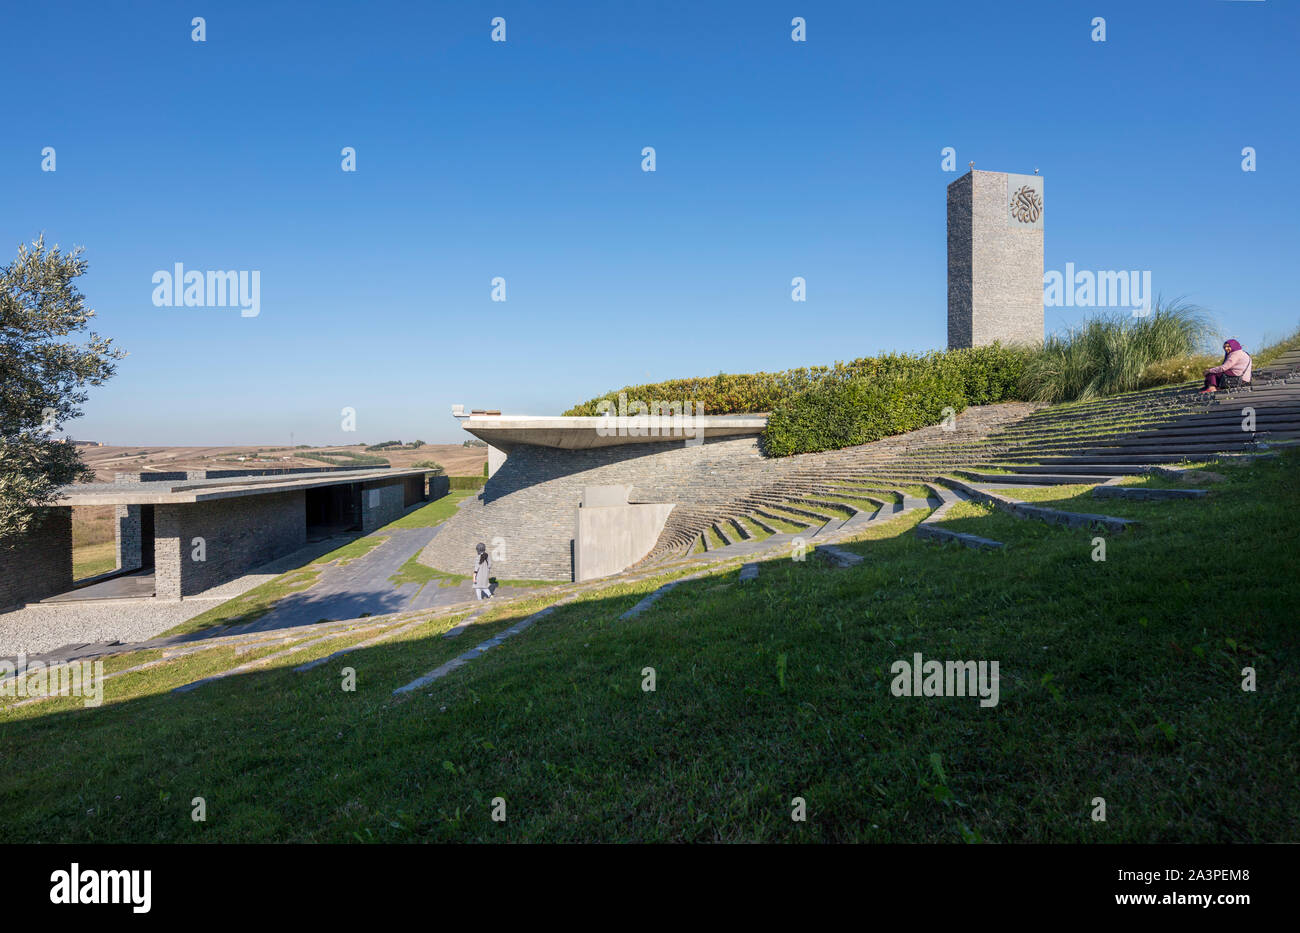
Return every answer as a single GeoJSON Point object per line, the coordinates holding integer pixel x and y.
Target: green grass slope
{"type": "Point", "coordinates": [1119, 679]}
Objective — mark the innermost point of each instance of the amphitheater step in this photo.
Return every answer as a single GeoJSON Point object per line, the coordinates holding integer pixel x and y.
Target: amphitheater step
{"type": "Point", "coordinates": [915, 502]}
{"type": "Point", "coordinates": [1078, 469]}
{"type": "Point", "coordinates": [935, 533]}
{"type": "Point", "coordinates": [839, 556]}
{"type": "Point", "coordinates": [762, 524]}
{"type": "Point", "coordinates": [789, 520]}
{"type": "Point", "coordinates": [1102, 461]}
{"type": "Point", "coordinates": [1036, 479]}
{"type": "Point", "coordinates": [1141, 492]}
{"type": "Point", "coordinates": [1024, 510]}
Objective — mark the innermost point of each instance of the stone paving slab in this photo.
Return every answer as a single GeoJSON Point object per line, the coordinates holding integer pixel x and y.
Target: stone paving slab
{"type": "Point", "coordinates": [478, 650]}
{"type": "Point", "coordinates": [1138, 492]}
{"type": "Point", "coordinates": [935, 533]}
{"type": "Point", "coordinates": [649, 600]}
{"type": "Point", "coordinates": [839, 556]}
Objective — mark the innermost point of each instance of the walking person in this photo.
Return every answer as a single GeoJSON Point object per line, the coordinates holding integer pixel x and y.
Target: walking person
{"type": "Point", "coordinates": [482, 573]}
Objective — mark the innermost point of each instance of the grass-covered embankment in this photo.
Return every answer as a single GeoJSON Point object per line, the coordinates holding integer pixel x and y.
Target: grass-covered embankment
{"type": "Point", "coordinates": [1119, 679]}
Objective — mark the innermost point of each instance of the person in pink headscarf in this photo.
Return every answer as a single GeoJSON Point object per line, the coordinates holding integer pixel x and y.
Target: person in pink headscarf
{"type": "Point", "coordinates": [1236, 362]}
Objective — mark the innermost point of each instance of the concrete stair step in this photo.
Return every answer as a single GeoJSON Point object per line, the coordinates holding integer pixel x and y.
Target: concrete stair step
{"type": "Point", "coordinates": [1036, 479]}
{"type": "Point", "coordinates": [1091, 468]}
{"type": "Point", "coordinates": [935, 533]}
{"type": "Point", "coordinates": [1142, 493]}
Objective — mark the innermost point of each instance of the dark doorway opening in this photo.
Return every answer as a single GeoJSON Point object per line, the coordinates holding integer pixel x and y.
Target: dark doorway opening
{"type": "Point", "coordinates": [146, 537]}
{"type": "Point", "coordinates": [333, 510]}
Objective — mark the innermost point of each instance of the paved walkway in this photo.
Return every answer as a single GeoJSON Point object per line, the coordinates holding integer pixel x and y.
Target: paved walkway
{"type": "Point", "coordinates": [362, 587]}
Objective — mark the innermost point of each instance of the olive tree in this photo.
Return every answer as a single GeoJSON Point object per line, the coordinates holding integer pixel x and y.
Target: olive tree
{"type": "Point", "coordinates": [43, 377]}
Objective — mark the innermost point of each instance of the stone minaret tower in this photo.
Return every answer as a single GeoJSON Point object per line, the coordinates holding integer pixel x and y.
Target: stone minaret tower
{"type": "Point", "coordinates": [995, 259]}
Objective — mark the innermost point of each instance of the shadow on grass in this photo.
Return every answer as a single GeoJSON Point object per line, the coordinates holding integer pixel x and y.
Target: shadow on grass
{"type": "Point", "coordinates": [1120, 679]}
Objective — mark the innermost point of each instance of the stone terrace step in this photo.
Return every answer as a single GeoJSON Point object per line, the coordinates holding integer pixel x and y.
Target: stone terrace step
{"type": "Point", "coordinates": [1091, 467]}
{"type": "Point", "coordinates": [1037, 479]}
{"type": "Point", "coordinates": [1140, 492]}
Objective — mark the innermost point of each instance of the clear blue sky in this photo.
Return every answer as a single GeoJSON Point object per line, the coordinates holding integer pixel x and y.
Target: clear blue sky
{"type": "Point", "coordinates": [523, 160]}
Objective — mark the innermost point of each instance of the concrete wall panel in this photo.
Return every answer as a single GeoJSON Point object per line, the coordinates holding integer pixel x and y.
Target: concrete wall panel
{"type": "Point", "coordinates": [614, 537]}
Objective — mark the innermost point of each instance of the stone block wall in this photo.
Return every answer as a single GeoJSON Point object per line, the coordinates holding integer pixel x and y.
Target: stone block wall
{"type": "Point", "coordinates": [239, 533]}
{"type": "Point", "coordinates": [959, 262]}
{"type": "Point", "coordinates": [382, 501]}
{"type": "Point", "coordinates": [531, 501]}
{"type": "Point", "coordinates": [127, 533]}
{"type": "Point", "coordinates": [39, 563]}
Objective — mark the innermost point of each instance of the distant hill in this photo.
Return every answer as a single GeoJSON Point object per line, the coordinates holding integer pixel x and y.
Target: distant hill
{"type": "Point", "coordinates": [105, 461]}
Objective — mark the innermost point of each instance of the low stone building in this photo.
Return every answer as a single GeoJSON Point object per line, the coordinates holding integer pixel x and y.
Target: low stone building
{"type": "Point", "coordinates": [182, 533]}
{"type": "Point", "coordinates": [548, 467]}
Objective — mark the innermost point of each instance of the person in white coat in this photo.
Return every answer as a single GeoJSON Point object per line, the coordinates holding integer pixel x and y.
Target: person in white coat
{"type": "Point", "coordinates": [482, 573]}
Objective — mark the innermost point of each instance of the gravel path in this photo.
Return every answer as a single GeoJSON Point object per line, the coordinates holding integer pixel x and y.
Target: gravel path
{"type": "Point", "coordinates": [36, 629]}
{"type": "Point", "coordinates": [40, 628]}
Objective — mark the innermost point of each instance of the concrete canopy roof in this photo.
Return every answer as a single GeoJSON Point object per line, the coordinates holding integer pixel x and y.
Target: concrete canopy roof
{"type": "Point", "coordinates": [584, 432]}
{"type": "Point", "coordinates": [163, 492]}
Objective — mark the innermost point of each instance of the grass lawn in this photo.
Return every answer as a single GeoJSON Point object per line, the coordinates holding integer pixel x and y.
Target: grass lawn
{"type": "Point", "coordinates": [435, 513]}
{"type": "Point", "coordinates": [1119, 679]}
{"type": "Point", "coordinates": [90, 560]}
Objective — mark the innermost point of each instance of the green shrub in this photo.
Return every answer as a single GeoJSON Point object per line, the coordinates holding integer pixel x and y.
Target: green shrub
{"type": "Point", "coordinates": [1108, 354]}
{"type": "Point", "coordinates": [431, 465]}
{"type": "Point", "coordinates": [988, 374]}
{"type": "Point", "coordinates": [860, 409]}
{"type": "Point", "coordinates": [467, 482]}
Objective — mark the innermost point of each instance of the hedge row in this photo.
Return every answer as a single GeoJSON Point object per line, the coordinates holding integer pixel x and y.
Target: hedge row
{"type": "Point", "coordinates": [467, 482]}
{"type": "Point", "coordinates": [988, 374]}
{"type": "Point", "coordinates": [861, 409]}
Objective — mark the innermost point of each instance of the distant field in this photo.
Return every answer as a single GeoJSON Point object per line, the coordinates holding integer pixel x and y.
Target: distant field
{"type": "Point", "coordinates": [94, 547]}
{"type": "Point", "coordinates": [105, 461]}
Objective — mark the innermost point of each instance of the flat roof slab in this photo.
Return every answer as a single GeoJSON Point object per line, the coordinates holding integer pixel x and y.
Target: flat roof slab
{"type": "Point", "coordinates": [164, 492]}
{"type": "Point", "coordinates": [586, 432]}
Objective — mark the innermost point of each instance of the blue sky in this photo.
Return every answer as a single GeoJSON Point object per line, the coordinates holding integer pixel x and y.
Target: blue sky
{"type": "Point", "coordinates": [522, 160]}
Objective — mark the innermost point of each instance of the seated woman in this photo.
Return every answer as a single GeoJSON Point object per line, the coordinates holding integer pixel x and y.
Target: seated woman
{"type": "Point", "coordinates": [1236, 362]}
